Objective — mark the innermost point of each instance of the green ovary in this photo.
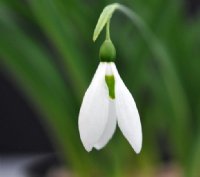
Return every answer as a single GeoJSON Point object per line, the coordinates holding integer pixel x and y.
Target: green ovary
{"type": "Point", "coordinates": [107, 51]}
{"type": "Point", "coordinates": [110, 81]}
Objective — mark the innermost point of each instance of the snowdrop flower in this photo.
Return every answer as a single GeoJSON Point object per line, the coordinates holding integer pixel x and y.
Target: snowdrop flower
{"type": "Point", "coordinates": [108, 102]}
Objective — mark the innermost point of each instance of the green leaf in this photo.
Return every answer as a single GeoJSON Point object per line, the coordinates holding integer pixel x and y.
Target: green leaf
{"type": "Point", "coordinates": [61, 33]}
{"type": "Point", "coordinates": [37, 76]}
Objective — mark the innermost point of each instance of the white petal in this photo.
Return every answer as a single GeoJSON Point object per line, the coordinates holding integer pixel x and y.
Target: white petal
{"type": "Point", "coordinates": [127, 113]}
{"type": "Point", "coordinates": [110, 126]}
{"type": "Point", "coordinates": [94, 109]}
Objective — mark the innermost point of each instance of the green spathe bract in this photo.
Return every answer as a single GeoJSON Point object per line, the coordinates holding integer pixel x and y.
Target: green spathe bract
{"type": "Point", "coordinates": [104, 18]}
{"type": "Point", "coordinates": [107, 51]}
{"type": "Point", "coordinates": [110, 81]}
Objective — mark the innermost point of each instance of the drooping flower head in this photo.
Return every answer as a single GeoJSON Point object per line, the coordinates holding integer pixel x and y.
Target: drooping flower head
{"type": "Point", "coordinates": [108, 103]}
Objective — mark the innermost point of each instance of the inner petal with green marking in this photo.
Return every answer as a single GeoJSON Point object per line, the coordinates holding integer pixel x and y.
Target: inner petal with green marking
{"type": "Point", "coordinates": [110, 81]}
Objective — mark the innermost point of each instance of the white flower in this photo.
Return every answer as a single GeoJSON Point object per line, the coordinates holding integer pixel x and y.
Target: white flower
{"type": "Point", "coordinates": [104, 105]}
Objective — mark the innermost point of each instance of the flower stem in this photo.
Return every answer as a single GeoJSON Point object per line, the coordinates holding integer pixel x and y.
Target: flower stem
{"type": "Point", "coordinates": [108, 30]}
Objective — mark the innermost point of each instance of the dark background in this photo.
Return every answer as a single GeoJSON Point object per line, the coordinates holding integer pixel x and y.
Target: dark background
{"type": "Point", "coordinates": [20, 128]}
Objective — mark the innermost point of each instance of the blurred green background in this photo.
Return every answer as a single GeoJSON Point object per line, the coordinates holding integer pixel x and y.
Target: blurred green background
{"type": "Point", "coordinates": [46, 48]}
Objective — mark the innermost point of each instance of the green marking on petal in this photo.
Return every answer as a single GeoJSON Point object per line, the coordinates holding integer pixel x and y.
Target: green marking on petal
{"type": "Point", "coordinates": [110, 81]}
